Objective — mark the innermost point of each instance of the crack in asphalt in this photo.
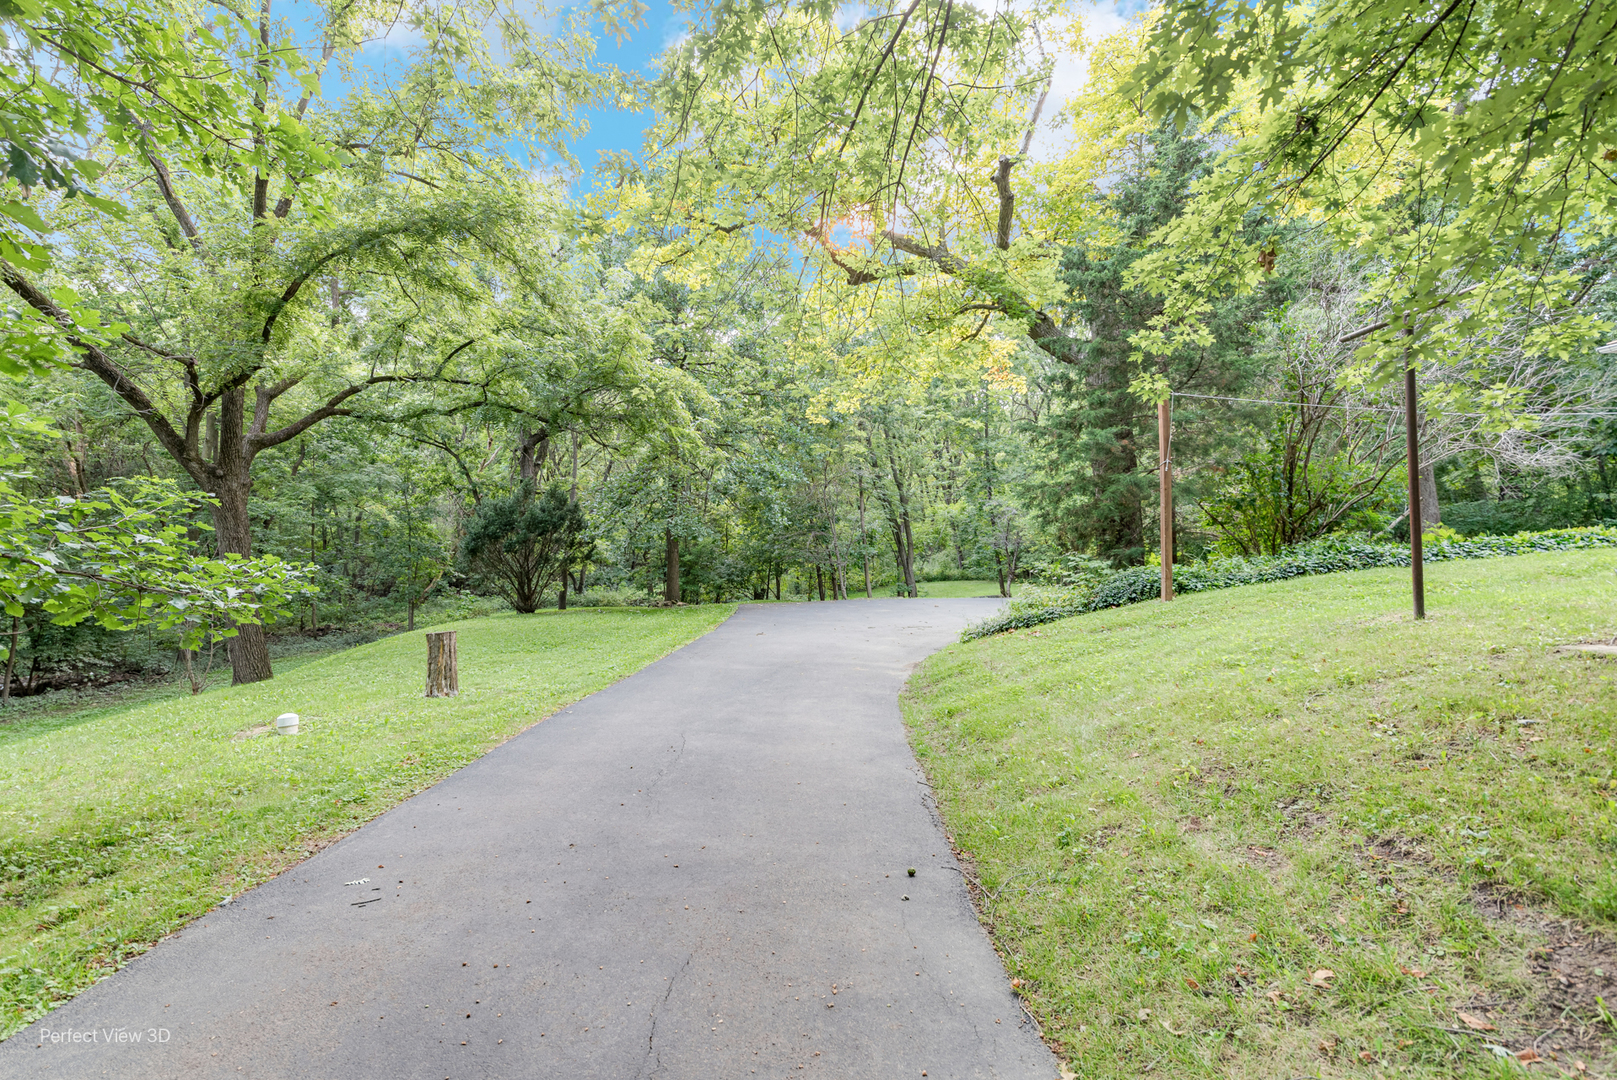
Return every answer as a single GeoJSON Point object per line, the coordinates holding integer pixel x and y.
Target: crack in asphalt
{"type": "Point", "coordinates": [652, 1054]}
{"type": "Point", "coordinates": [663, 772]}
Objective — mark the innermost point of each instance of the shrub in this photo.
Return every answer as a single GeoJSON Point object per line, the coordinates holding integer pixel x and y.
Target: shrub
{"type": "Point", "coordinates": [1325, 556]}
{"type": "Point", "coordinates": [518, 545]}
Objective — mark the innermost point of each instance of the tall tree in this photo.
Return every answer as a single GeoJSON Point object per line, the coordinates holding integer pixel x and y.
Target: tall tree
{"type": "Point", "coordinates": [247, 273]}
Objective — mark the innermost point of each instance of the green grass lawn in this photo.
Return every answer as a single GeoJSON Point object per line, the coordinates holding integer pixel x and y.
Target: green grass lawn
{"type": "Point", "coordinates": [951, 589]}
{"type": "Point", "coordinates": [1284, 830]}
{"type": "Point", "coordinates": [120, 824]}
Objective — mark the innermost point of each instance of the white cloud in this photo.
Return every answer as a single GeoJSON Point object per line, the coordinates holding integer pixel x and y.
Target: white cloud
{"type": "Point", "coordinates": [1099, 20]}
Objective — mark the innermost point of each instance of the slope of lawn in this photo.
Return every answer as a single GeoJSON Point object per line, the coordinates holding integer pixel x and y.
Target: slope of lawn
{"type": "Point", "coordinates": [118, 825]}
{"type": "Point", "coordinates": [1284, 830]}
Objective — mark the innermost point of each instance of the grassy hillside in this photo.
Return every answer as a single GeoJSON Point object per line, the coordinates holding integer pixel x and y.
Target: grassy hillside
{"type": "Point", "coordinates": [1285, 830]}
{"type": "Point", "coordinates": [118, 825]}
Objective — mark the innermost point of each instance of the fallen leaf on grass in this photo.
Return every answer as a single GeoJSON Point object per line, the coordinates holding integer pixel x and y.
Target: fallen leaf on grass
{"type": "Point", "coordinates": [1413, 973]}
{"type": "Point", "coordinates": [1528, 1056]}
{"type": "Point", "coordinates": [1476, 1023]}
{"type": "Point", "coordinates": [1322, 978]}
{"type": "Point", "coordinates": [1192, 983]}
{"type": "Point", "coordinates": [1169, 1028]}
{"type": "Point", "coordinates": [1145, 1014]}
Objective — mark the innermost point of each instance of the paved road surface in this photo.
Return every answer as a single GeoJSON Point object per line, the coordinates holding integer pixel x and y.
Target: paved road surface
{"type": "Point", "coordinates": [696, 874]}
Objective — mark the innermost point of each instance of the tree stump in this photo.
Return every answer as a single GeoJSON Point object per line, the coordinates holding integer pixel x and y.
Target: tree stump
{"type": "Point", "coordinates": [442, 680]}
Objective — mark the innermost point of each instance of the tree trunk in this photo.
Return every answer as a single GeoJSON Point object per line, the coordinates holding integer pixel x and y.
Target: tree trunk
{"type": "Point", "coordinates": [1430, 513]}
{"type": "Point", "coordinates": [532, 448]}
{"type": "Point", "coordinates": [410, 621]}
{"type": "Point", "coordinates": [819, 579]}
{"type": "Point", "coordinates": [314, 612]}
{"type": "Point", "coordinates": [561, 597]}
{"type": "Point", "coordinates": [249, 649]}
{"type": "Point", "coordinates": [443, 680]}
{"type": "Point", "coordinates": [864, 546]}
{"type": "Point", "coordinates": [909, 556]}
{"type": "Point", "coordinates": [671, 571]}
{"type": "Point", "coordinates": [11, 660]}
{"type": "Point", "coordinates": [999, 568]}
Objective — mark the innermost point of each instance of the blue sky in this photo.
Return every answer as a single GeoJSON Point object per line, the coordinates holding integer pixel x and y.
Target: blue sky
{"type": "Point", "coordinates": [609, 129]}
{"type": "Point", "coordinates": [621, 130]}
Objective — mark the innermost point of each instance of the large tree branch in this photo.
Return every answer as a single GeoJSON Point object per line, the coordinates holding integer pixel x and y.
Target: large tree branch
{"type": "Point", "coordinates": [1044, 331]}
{"type": "Point", "coordinates": [263, 397]}
{"type": "Point", "coordinates": [296, 284]}
{"type": "Point", "coordinates": [856, 275]}
{"type": "Point", "coordinates": [262, 440]}
{"type": "Point", "coordinates": [182, 216]}
{"type": "Point", "coordinates": [949, 264]}
{"type": "Point", "coordinates": [94, 359]}
{"type": "Point", "coordinates": [1007, 203]}
{"type": "Point", "coordinates": [259, 439]}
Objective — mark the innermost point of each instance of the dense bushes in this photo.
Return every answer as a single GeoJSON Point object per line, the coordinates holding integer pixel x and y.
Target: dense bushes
{"type": "Point", "coordinates": [1326, 556]}
{"type": "Point", "coordinates": [1503, 517]}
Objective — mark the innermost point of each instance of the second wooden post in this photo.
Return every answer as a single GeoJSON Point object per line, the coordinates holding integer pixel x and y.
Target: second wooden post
{"type": "Point", "coordinates": [1165, 463]}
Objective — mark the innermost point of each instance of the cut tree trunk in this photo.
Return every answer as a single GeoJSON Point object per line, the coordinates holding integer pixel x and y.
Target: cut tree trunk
{"type": "Point", "coordinates": [442, 678]}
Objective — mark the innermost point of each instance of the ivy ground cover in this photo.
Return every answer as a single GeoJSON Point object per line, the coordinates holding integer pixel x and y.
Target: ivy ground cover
{"type": "Point", "coordinates": [1283, 830]}
{"type": "Point", "coordinates": [119, 825]}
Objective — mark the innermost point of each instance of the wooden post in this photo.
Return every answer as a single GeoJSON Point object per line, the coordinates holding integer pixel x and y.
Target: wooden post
{"type": "Point", "coordinates": [442, 678]}
{"type": "Point", "coordinates": [1417, 572]}
{"type": "Point", "coordinates": [1164, 456]}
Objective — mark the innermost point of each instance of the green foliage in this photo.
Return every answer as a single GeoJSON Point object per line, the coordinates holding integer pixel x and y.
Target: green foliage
{"type": "Point", "coordinates": [1096, 441]}
{"type": "Point", "coordinates": [1457, 179]}
{"type": "Point", "coordinates": [1495, 517]}
{"type": "Point", "coordinates": [1289, 487]}
{"type": "Point", "coordinates": [1330, 555]}
{"type": "Point", "coordinates": [122, 557]}
{"type": "Point", "coordinates": [518, 545]}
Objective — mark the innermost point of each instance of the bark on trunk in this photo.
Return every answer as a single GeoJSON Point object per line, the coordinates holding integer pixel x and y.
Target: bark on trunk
{"type": "Point", "coordinates": [533, 448]}
{"type": "Point", "coordinates": [443, 678]}
{"type": "Point", "coordinates": [1430, 513]}
{"type": "Point", "coordinates": [11, 660]}
{"type": "Point", "coordinates": [864, 546]}
{"type": "Point", "coordinates": [671, 571]}
{"type": "Point", "coordinates": [249, 649]}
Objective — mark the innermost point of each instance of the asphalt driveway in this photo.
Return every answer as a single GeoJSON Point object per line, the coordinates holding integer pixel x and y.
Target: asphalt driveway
{"type": "Point", "coordinates": [699, 873]}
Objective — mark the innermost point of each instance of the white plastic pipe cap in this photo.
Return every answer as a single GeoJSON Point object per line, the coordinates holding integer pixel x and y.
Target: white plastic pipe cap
{"type": "Point", "coordinates": [287, 723]}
